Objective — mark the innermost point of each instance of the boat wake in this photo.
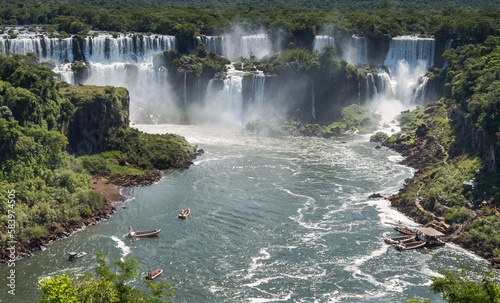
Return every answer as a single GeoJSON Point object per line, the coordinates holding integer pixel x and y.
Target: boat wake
{"type": "Point", "coordinates": [122, 246]}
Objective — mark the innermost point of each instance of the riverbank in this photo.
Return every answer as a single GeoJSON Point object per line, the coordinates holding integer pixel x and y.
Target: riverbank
{"type": "Point", "coordinates": [436, 194]}
{"type": "Point", "coordinates": [110, 191]}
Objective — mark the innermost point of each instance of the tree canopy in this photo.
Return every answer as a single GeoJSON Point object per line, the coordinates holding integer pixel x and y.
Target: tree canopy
{"type": "Point", "coordinates": [105, 285]}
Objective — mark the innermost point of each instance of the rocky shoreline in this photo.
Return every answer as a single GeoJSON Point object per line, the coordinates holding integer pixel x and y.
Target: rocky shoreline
{"type": "Point", "coordinates": [425, 153]}
{"type": "Point", "coordinates": [109, 189]}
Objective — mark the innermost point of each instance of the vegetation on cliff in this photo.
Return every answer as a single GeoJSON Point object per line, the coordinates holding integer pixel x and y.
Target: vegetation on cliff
{"type": "Point", "coordinates": [454, 144]}
{"type": "Point", "coordinates": [39, 120]}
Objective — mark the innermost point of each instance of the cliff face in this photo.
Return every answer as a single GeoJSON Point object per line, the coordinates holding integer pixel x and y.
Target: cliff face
{"type": "Point", "coordinates": [474, 141]}
{"type": "Point", "coordinates": [97, 110]}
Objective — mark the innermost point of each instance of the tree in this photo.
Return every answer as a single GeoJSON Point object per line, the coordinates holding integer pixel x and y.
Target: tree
{"type": "Point", "coordinates": [458, 288]}
{"type": "Point", "coordinates": [104, 286]}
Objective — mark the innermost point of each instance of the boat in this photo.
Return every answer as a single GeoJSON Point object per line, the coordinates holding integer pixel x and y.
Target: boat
{"type": "Point", "coordinates": [154, 274]}
{"type": "Point", "coordinates": [139, 234]}
{"type": "Point", "coordinates": [74, 255]}
{"type": "Point", "coordinates": [183, 214]}
{"type": "Point", "coordinates": [405, 230]}
{"type": "Point", "coordinates": [411, 245]}
{"type": "Point", "coordinates": [399, 240]}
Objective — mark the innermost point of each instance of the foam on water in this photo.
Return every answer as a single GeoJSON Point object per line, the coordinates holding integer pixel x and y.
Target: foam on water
{"type": "Point", "coordinates": [122, 246]}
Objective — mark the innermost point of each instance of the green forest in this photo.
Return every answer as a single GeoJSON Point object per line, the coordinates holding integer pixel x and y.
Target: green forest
{"type": "Point", "coordinates": [456, 139]}
{"type": "Point", "coordinates": [382, 21]}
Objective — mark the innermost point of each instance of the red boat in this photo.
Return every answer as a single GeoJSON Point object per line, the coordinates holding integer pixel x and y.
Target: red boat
{"type": "Point", "coordinates": [154, 274]}
{"type": "Point", "coordinates": [139, 234]}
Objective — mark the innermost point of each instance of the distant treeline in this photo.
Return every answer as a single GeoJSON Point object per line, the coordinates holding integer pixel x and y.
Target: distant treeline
{"type": "Point", "coordinates": [384, 19]}
{"type": "Point", "coordinates": [319, 4]}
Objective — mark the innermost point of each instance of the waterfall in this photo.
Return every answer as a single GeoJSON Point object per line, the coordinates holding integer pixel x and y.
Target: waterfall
{"type": "Point", "coordinates": [419, 95]}
{"type": "Point", "coordinates": [356, 51]}
{"type": "Point", "coordinates": [360, 45]}
{"type": "Point", "coordinates": [257, 91]}
{"type": "Point", "coordinates": [53, 49]}
{"type": "Point", "coordinates": [313, 101]}
{"type": "Point", "coordinates": [125, 48]}
{"type": "Point", "coordinates": [447, 47]}
{"type": "Point", "coordinates": [101, 48]}
{"type": "Point", "coordinates": [148, 89]}
{"type": "Point", "coordinates": [184, 90]}
{"type": "Point", "coordinates": [258, 46]}
{"type": "Point", "coordinates": [322, 41]}
{"type": "Point", "coordinates": [224, 101]}
{"type": "Point", "coordinates": [411, 49]}
{"type": "Point", "coordinates": [408, 59]}
{"type": "Point", "coordinates": [378, 85]}
{"type": "Point", "coordinates": [213, 44]}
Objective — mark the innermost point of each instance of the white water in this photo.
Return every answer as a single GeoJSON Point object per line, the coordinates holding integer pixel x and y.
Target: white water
{"type": "Point", "coordinates": [322, 41]}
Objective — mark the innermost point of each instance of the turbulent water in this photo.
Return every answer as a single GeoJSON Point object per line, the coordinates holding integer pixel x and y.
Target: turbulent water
{"type": "Point", "coordinates": [272, 220]}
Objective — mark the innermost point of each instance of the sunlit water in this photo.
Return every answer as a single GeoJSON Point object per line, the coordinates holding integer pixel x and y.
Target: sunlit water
{"type": "Point", "coordinates": [272, 220]}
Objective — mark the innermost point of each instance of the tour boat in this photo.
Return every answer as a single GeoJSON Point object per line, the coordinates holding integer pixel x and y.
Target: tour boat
{"type": "Point", "coordinates": [146, 233]}
{"type": "Point", "coordinates": [73, 255]}
{"type": "Point", "coordinates": [399, 240]}
{"type": "Point", "coordinates": [411, 245]}
{"type": "Point", "coordinates": [405, 230]}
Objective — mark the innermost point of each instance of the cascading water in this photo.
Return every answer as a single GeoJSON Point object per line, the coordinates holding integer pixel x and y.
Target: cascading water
{"type": "Point", "coordinates": [418, 97]}
{"type": "Point", "coordinates": [447, 47]}
{"type": "Point", "coordinates": [378, 85]}
{"type": "Point", "coordinates": [125, 48]}
{"type": "Point", "coordinates": [47, 49]}
{"type": "Point", "coordinates": [356, 52]}
{"type": "Point", "coordinates": [224, 100]}
{"type": "Point", "coordinates": [413, 50]}
{"type": "Point", "coordinates": [313, 101]}
{"type": "Point", "coordinates": [322, 41]}
{"type": "Point", "coordinates": [127, 61]}
{"type": "Point", "coordinates": [408, 59]}
{"type": "Point", "coordinates": [254, 106]}
{"type": "Point", "coordinates": [257, 91]}
{"type": "Point", "coordinates": [258, 46]}
{"type": "Point", "coordinates": [360, 45]}
{"type": "Point", "coordinates": [184, 89]}
{"type": "Point", "coordinates": [213, 44]}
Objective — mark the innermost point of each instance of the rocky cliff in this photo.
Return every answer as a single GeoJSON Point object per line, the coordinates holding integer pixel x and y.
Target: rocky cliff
{"type": "Point", "coordinates": [97, 110]}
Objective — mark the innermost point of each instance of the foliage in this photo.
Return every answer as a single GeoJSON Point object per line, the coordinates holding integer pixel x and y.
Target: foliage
{"type": "Point", "coordinates": [150, 150]}
{"type": "Point", "coordinates": [105, 285]}
{"type": "Point", "coordinates": [459, 288]}
{"type": "Point", "coordinates": [31, 93]}
{"type": "Point", "coordinates": [456, 20]}
{"type": "Point", "coordinates": [474, 83]}
{"type": "Point", "coordinates": [354, 118]}
{"type": "Point", "coordinates": [379, 137]}
{"type": "Point", "coordinates": [194, 64]}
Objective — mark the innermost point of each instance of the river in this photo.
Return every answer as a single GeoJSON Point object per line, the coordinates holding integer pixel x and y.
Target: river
{"type": "Point", "coordinates": [281, 219]}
